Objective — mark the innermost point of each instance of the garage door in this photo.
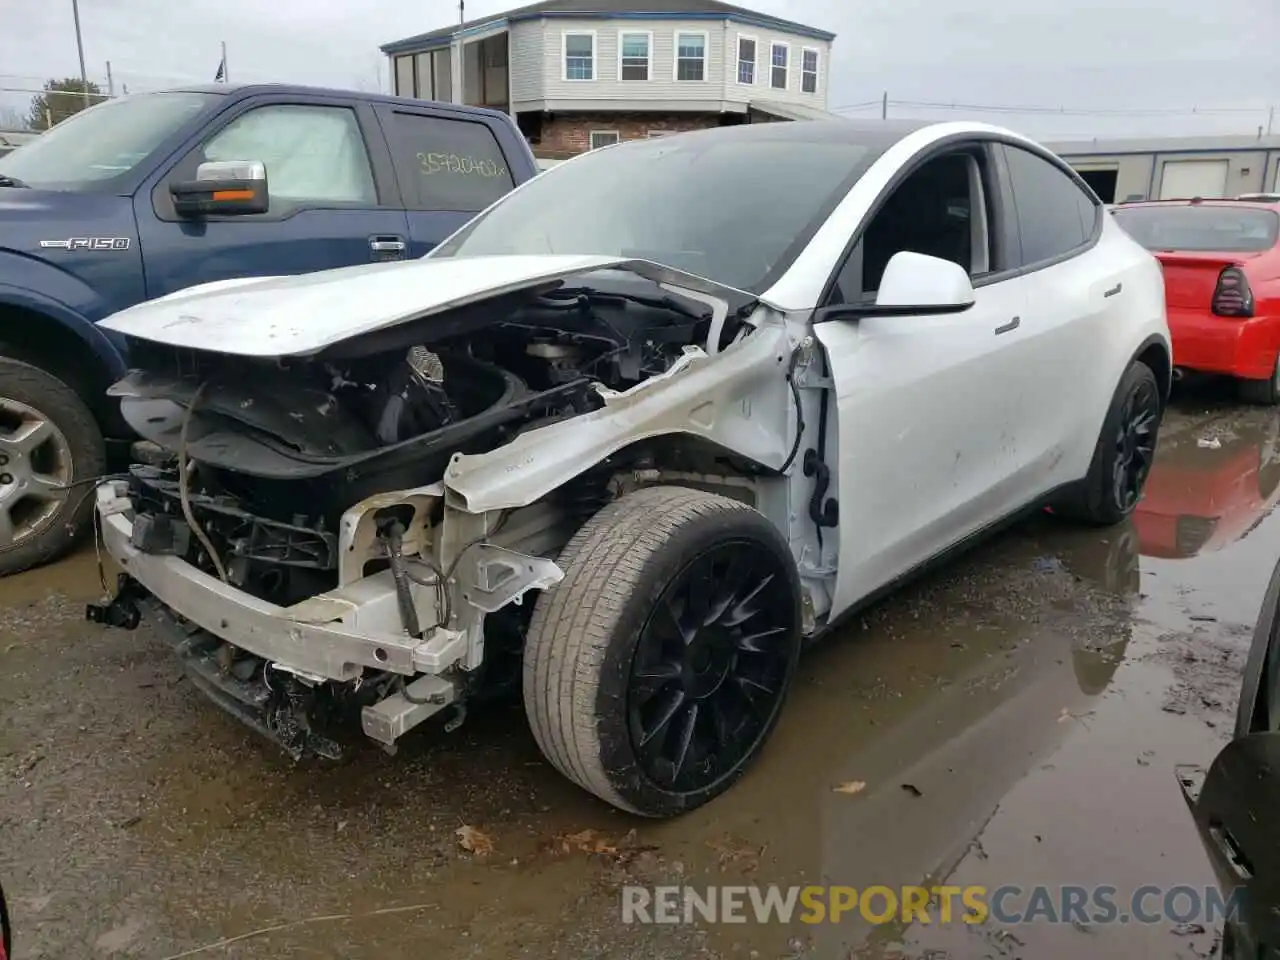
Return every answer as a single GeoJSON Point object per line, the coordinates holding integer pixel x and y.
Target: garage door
{"type": "Point", "coordinates": [1184, 179]}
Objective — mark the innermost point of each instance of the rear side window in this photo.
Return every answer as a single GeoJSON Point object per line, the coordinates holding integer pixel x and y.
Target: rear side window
{"type": "Point", "coordinates": [1220, 229]}
{"type": "Point", "coordinates": [446, 164]}
{"type": "Point", "coordinates": [1055, 216]}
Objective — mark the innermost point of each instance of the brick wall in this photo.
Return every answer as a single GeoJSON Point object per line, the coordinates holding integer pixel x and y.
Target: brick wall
{"type": "Point", "coordinates": [565, 135]}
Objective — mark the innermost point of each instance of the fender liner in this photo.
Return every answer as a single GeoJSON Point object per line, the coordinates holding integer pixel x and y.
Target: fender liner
{"type": "Point", "coordinates": [1165, 375]}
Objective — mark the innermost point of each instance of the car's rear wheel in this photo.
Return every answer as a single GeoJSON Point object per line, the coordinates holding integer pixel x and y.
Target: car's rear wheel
{"type": "Point", "coordinates": [50, 445]}
{"type": "Point", "coordinates": [657, 669]}
{"type": "Point", "coordinates": [1262, 392]}
{"type": "Point", "coordinates": [1124, 453]}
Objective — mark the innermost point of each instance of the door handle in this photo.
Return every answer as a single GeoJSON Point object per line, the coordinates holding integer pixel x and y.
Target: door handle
{"type": "Point", "coordinates": [1114, 290]}
{"type": "Point", "coordinates": [1006, 327]}
{"type": "Point", "coordinates": [387, 245]}
{"type": "Point", "coordinates": [1235, 858]}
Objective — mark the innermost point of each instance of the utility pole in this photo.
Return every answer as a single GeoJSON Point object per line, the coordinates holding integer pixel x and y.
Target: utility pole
{"type": "Point", "coordinates": [1271, 118]}
{"type": "Point", "coordinates": [111, 84]}
{"type": "Point", "coordinates": [884, 106]}
{"type": "Point", "coordinates": [84, 77]}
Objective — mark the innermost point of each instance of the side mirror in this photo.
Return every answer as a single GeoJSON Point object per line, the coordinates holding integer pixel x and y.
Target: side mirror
{"type": "Point", "coordinates": [222, 188]}
{"type": "Point", "coordinates": [913, 285]}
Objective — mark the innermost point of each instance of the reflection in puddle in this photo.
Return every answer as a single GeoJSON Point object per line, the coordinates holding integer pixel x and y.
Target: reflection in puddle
{"type": "Point", "coordinates": [1209, 488]}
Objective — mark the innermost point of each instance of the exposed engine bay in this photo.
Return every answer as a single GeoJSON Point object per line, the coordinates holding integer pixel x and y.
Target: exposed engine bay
{"type": "Point", "coordinates": [356, 527]}
{"type": "Point", "coordinates": [277, 449]}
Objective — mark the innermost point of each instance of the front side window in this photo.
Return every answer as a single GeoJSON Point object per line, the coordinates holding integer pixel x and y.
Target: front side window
{"type": "Point", "coordinates": [705, 203]}
{"type": "Point", "coordinates": [746, 60]}
{"type": "Point", "coordinates": [809, 71]}
{"type": "Point", "coordinates": [1055, 215]}
{"type": "Point", "coordinates": [447, 164]}
{"type": "Point", "coordinates": [778, 66]}
{"type": "Point", "coordinates": [311, 153]}
{"type": "Point", "coordinates": [691, 56]}
{"type": "Point", "coordinates": [94, 147]}
{"type": "Point", "coordinates": [634, 51]}
{"type": "Point", "coordinates": [1208, 228]}
{"type": "Point", "coordinates": [579, 56]}
{"type": "Point", "coordinates": [934, 211]}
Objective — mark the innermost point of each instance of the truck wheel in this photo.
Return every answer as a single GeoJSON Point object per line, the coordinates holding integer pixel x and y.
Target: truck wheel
{"type": "Point", "coordinates": [49, 445]}
{"type": "Point", "coordinates": [1123, 456]}
{"type": "Point", "coordinates": [656, 670]}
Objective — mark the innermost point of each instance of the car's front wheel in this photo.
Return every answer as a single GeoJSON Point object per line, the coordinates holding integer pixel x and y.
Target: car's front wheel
{"type": "Point", "coordinates": [50, 445]}
{"type": "Point", "coordinates": [657, 669]}
{"type": "Point", "coordinates": [1123, 455]}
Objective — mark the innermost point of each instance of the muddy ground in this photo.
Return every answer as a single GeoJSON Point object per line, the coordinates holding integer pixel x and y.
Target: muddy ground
{"type": "Point", "coordinates": [1034, 696]}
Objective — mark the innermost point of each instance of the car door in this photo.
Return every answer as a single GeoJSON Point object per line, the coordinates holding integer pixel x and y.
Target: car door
{"type": "Point", "coordinates": [1075, 301]}
{"type": "Point", "coordinates": [923, 411]}
{"type": "Point", "coordinates": [1236, 805]}
{"type": "Point", "coordinates": [333, 199]}
{"type": "Point", "coordinates": [450, 167]}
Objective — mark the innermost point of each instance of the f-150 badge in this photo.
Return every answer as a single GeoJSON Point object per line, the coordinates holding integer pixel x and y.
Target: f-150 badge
{"type": "Point", "coordinates": [88, 243]}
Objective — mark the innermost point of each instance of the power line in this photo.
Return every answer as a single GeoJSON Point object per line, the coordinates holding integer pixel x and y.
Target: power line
{"type": "Point", "coordinates": [1051, 110]}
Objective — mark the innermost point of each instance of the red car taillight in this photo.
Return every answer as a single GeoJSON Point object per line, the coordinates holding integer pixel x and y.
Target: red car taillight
{"type": "Point", "coordinates": [1232, 297]}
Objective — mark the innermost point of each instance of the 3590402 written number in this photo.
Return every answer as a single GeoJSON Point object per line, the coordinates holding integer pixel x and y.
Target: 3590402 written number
{"type": "Point", "coordinates": [433, 163]}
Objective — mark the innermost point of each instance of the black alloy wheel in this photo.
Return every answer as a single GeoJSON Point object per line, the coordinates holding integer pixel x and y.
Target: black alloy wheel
{"type": "Point", "coordinates": [711, 666]}
{"type": "Point", "coordinates": [1135, 443]}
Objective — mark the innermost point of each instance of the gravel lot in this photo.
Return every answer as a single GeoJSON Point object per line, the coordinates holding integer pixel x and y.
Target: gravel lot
{"type": "Point", "coordinates": [1035, 695]}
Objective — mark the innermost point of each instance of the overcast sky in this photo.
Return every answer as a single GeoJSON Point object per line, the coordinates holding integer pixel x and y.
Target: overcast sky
{"type": "Point", "coordinates": [1108, 69]}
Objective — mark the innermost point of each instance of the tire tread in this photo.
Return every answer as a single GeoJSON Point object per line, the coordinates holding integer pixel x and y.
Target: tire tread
{"type": "Point", "coordinates": [573, 623]}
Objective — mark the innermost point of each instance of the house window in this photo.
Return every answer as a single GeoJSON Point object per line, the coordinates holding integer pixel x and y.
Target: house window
{"type": "Point", "coordinates": [778, 66]}
{"type": "Point", "coordinates": [579, 56]}
{"type": "Point", "coordinates": [691, 56]}
{"type": "Point", "coordinates": [746, 59]}
{"type": "Point", "coordinates": [633, 51]}
{"type": "Point", "coordinates": [603, 138]}
{"type": "Point", "coordinates": [422, 68]}
{"type": "Point", "coordinates": [809, 70]}
{"type": "Point", "coordinates": [404, 76]}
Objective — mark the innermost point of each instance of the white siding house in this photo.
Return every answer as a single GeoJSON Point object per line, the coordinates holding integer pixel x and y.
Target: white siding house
{"type": "Point", "coordinates": [583, 73]}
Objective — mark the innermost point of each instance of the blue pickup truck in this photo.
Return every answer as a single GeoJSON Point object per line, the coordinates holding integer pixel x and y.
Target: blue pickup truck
{"type": "Point", "coordinates": [141, 196]}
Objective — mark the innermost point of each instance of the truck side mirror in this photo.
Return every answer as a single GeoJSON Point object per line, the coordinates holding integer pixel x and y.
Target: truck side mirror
{"type": "Point", "coordinates": [222, 188]}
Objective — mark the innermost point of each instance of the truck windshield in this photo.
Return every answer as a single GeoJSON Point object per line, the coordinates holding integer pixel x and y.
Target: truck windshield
{"type": "Point", "coordinates": [90, 149]}
{"type": "Point", "coordinates": [733, 207]}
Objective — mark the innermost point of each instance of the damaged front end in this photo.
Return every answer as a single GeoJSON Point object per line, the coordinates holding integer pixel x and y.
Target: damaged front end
{"type": "Point", "coordinates": [293, 523]}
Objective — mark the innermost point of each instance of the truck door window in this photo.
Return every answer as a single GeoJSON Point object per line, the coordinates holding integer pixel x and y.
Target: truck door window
{"type": "Point", "coordinates": [447, 164]}
{"type": "Point", "coordinates": [312, 154]}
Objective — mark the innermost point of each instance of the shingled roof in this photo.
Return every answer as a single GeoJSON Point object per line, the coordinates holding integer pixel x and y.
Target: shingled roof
{"type": "Point", "coordinates": [605, 9]}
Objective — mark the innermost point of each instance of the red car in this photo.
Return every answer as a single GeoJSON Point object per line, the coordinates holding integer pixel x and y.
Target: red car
{"type": "Point", "coordinates": [1221, 265]}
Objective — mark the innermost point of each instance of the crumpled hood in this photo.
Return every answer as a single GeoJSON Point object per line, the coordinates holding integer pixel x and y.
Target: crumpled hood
{"type": "Point", "coordinates": [302, 315]}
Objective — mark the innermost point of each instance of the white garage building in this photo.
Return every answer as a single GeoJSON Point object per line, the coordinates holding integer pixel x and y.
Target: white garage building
{"type": "Point", "coordinates": [1173, 169]}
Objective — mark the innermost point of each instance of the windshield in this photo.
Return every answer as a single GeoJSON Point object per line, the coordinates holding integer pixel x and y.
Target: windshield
{"type": "Point", "coordinates": [1219, 229]}
{"type": "Point", "coordinates": [103, 142]}
{"type": "Point", "coordinates": [732, 206]}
